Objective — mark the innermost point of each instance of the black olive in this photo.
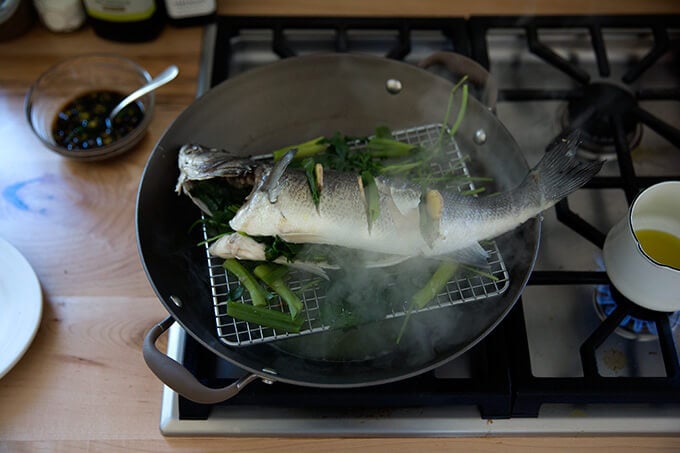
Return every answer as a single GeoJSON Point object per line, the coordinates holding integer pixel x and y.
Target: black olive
{"type": "Point", "coordinates": [81, 123]}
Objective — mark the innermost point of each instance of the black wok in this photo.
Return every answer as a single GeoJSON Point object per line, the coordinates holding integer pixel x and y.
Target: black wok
{"type": "Point", "coordinates": [289, 102]}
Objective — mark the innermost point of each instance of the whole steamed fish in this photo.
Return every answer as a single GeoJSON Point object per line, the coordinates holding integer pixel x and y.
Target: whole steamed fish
{"type": "Point", "coordinates": [412, 221]}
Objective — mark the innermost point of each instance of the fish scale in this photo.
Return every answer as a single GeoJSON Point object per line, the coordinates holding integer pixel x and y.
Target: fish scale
{"type": "Point", "coordinates": [340, 218]}
{"type": "Point", "coordinates": [462, 289]}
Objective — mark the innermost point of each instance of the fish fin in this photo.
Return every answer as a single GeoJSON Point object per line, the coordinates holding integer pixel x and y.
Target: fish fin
{"type": "Point", "coordinates": [406, 200]}
{"type": "Point", "coordinates": [473, 255]}
{"type": "Point", "coordinates": [386, 261]}
{"type": "Point", "coordinates": [560, 172]}
{"type": "Point", "coordinates": [186, 188]}
{"type": "Point", "coordinates": [271, 181]}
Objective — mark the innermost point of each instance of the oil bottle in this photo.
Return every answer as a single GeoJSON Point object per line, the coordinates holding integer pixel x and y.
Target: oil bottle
{"type": "Point", "coordinates": [126, 20]}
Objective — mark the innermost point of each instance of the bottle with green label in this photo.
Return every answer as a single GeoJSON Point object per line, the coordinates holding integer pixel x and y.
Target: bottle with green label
{"type": "Point", "coordinates": [126, 20]}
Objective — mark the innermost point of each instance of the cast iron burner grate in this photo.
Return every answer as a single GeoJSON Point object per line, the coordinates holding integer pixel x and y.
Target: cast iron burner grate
{"type": "Point", "coordinates": [606, 109]}
{"type": "Point", "coordinates": [612, 119]}
{"type": "Point", "coordinates": [601, 108]}
{"type": "Point", "coordinates": [631, 327]}
{"type": "Point", "coordinates": [502, 383]}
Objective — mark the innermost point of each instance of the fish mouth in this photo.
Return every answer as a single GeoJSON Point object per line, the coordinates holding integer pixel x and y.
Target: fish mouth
{"type": "Point", "coordinates": [198, 163]}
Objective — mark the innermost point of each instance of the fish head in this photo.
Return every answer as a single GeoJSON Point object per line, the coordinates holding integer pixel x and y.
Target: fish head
{"type": "Point", "coordinates": [198, 163]}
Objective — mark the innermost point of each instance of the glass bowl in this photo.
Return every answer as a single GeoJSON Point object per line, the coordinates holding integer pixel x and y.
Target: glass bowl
{"type": "Point", "coordinates": [75, 77]}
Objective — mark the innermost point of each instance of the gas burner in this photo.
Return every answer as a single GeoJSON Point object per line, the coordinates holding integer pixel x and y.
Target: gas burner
{"type": "Point", "coordinates": [592, 113]}
{"type": "Point", "coordinates": [632, 328]}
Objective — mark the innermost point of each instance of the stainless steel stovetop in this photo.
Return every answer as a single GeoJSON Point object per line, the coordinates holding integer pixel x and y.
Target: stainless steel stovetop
{"type": "Point", "coordinates": [559, 318]}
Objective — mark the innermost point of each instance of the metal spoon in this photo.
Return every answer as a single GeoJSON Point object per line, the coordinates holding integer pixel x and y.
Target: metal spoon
{"type": "Point", "coordinates": [161, 79]}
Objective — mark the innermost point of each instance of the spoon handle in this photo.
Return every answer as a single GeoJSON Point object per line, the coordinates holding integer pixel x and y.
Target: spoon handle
{"type": "Point", "coordinates": [161, 79]}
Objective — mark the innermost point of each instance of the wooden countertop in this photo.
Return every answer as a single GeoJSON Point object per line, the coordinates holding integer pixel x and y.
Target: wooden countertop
{"type": "Point", "coordinates": [83, 385]}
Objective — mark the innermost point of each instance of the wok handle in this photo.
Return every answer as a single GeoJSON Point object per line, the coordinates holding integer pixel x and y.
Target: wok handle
{"type": "Point", "coordinates": [460, 66]}
{"type": "Point", "coordinates": [178, 378]}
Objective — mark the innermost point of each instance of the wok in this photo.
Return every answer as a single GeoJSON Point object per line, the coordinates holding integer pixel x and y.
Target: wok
{"type": "Point", "coordinates": [288, 102]}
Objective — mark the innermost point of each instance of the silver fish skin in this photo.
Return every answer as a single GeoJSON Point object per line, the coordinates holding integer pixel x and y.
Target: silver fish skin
{"type": "Point", "coordinates": [282, 205]}
{"type": "Point", "coordinates": [341, 219]}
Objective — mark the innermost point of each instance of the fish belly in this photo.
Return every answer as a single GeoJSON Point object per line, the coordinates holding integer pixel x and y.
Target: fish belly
{"type": "Point", "coordinates": [339, 219]}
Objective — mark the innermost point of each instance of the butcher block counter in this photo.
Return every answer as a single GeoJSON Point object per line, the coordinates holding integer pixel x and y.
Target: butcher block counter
{"type": "Point", "coordinates": [83, 385]}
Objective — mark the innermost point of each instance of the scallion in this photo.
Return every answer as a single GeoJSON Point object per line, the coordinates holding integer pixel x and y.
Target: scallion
{"type": "Point", "coordinates": [307, 149]}
{"type": "Point", "coordinates": [257, 293]}
{"type": "Point", "coordinates": [273, 275]}
{"type": "Point", "coordinates": [309, 166]}
{"type": "Point", "coordinates": [372, 197]}
{"type": "Point", "coordinates": [265, 317]}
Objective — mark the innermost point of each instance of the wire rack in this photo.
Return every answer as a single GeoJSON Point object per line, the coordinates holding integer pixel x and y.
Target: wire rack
{"type": "Point", "coordinates": [460, 290]}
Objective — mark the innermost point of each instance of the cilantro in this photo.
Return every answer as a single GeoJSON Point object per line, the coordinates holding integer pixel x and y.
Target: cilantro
{"type": "Point", "coordinates": [276, 247]}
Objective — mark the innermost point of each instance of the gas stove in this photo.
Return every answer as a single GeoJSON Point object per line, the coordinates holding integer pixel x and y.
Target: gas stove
{"type": "Point", "coordinates": [573, 356]}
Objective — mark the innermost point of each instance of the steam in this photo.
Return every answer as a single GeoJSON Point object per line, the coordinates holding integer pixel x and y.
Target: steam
{"type": "Point", "coordinates": [365, 308]}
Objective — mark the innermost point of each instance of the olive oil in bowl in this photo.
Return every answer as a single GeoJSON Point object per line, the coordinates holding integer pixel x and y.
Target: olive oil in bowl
{"type": "Point", "coordinates": [662, 247]}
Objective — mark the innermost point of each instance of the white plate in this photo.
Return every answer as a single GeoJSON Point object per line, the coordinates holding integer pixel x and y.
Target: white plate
{"type": "Point", "coordinates": [20, 306]}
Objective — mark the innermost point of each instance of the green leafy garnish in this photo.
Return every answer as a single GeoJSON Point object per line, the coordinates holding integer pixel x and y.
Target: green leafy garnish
{"type": "Point", "coordinates": [307, 149]}
{"type": "Point", "coordinates": [223, 203]}
{"type": "Point", "coordinates": [461, 112]}
{"type": "Point", "coordinates": [383, 145]}
{"type": "Point", "coordinates": [449, 108]}
{"type": "Point", "coordinates": [276, 247]}
{"type": "Point", "coordinates": [372, 197]}
{"type": "Point", "coordinates": [473, 191]}
{"type": "Point", "coordinates": [383, 132]}
{"type": "Point", "coordinates": [308, 165]}
{"type": "Point", "coordinates": [343, 154]}
{"type": "Point", "coordinates": [441, 276]}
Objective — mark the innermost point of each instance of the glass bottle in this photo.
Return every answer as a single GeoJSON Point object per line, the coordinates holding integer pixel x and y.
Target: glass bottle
{"type": "Point", "coordinates": [126, 20]}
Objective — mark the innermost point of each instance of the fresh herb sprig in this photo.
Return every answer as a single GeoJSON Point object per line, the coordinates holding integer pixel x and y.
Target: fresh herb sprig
{"type": "Point", "coordinates": [276, 247]}
{"type": "Point", "coordinates": [310, 166]}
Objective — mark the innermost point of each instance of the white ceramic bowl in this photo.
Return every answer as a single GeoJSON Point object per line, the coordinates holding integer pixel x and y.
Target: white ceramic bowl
{"type": "Point", "coordinates": [635, 274]}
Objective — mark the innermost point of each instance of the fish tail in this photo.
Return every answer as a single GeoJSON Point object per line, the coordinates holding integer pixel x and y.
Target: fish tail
{"type": "Point", "coordinates": [560, 172]}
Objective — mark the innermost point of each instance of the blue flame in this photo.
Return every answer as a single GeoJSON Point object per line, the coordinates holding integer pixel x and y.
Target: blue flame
{"type": "Point", "coordinates": [606, 301]}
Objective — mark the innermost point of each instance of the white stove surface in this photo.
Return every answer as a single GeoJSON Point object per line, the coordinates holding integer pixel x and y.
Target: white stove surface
{"type": "Point", "coordinates": [554, 419]}
{"type": "Point", "coordinates": [558, 318]}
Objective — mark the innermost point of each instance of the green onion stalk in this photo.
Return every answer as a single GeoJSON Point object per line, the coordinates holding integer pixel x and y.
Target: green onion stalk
{"type": "Point", "coordinates": [449, 108]}
{"type": "Point", "coordinates": [307, 149]}
{"type": "Point", "coordinates": [436, 283]}
{"type": "Point", "coordinates": [266, 317]}
{"type": "Point", "coordinates": [257, 293]}
{"type": "Point", "coordinates": [273, 275]}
